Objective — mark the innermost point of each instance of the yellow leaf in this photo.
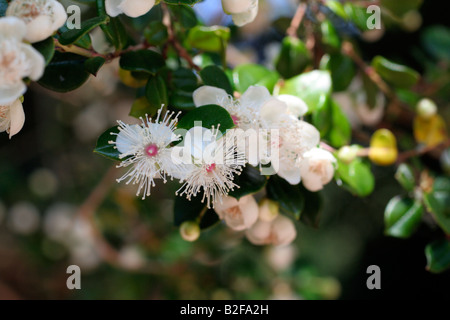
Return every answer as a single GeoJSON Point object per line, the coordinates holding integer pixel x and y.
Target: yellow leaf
{"type": "Point", "coordinates": [430, 132]}
{"type": "Point", "coordinates": [383, 148]}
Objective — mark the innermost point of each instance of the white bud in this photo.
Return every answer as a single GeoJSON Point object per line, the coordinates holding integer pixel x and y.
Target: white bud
{"type": "Point", "coordinates": [426, 108]}
{"type": "Point", "coordinates": [238, 214]}
{"type": "Point", "coordinates": [316, 169]}
{"type": "Point", "coordinates": [190, 231]}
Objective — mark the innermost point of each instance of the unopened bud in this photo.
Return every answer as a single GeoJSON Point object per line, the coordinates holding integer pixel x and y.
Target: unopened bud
{"type": "Point", "coordinates": [348, 153]}
{"type": "Point", "coordinates": [268, 209]}
{"type": "Point", "coordinates": [190, 231]}
{"type": "Point", "coordinates": [426, 108]}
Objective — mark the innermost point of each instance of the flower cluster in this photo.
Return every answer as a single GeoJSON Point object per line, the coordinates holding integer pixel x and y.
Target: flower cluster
{"type": "Point", "coordinates": [289, 144]}
{"type": "Point", "coordinates": [18, 60]}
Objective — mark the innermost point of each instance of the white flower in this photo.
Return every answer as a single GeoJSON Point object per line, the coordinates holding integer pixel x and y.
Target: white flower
{"type": "Point", "coordinates": [242, 11]}
{"type": "Point", "coordinates": [12, 118]}
{"type": "Point", "coordinates": [279, 231]}
{"type": "Point", "coordinates": [316, 169]}
{"type": "Point", "coordinates": [42, 17]}
{"type": "Point", "coordinates": [132, 8]}
{"type": "Point", "coordinates": [146, 148]}
{"type": "Point", "coordinates": [214, 166]}
{"type": "Point", "coordinates": [296, 106]}
{"type": "Point", "coordinates": [17, 60]}
{"type": "Point", "coordinates": [238, 214]}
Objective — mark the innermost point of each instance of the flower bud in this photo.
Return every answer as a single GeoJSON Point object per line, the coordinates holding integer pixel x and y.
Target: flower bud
{"type": "Point", "coordinates": [317, 169]}
{"type": "Point", "coordinates": [190, 231]}
{"type": "Point", "coordinates": [426, 108]}
{"type": "Point", "coordinates": [238, 214]}
{"type": "Point", "coordinates": [348, 153]}
{"type": "Point", "coordinates": [268, 209]}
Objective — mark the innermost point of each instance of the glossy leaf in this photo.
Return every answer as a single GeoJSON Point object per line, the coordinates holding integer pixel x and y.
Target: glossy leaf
{"type": "Point", "coordinates": [396, 74]}
{"type": "Point", "coordinates": [341, 130]}
{"type": "Point", "coordinates": [438, 202]}
{"type": "Point", "coordinates": [342, 70]}
{"type": "Point", "coordinates": [46, 48]}
{"type": "Point", "coordinates": [211, 39]}
{"type": "Point", "coordinates": [106, 149]}
{"type": "Point", "coordinates": [356, 176]}
{"type": "Point", "coordinates": [216, 77]}
{"type": "Point", "coordinates": [156, 92]}
{"type": "Point", "coordinates": [71, 36]}
{"type": "Point", "coordinates": [246, 75]}
{"type": "Point", "coordinates": [249, 181]}
{"type": "Point", "coordinates": [156, 33]}
{"type": "Point", "coordinates": [402, 217]}
{"type": "Point", "coordinates": [309, 87]}
{"type": "Point", "coordinates": [438, 256]}
{"type": "Point", "coordinates": [142, 61]}
{"type": "Point", "coordinates": [293, 59]}
{"type": "Point", "coordinates": [405, 176]}
{"type": "Point", "coordinates": [209, 115]}
{"type": "Point", "coordinates": [92, 65]}
{"type": "Point", "coordinates": [290, 197]}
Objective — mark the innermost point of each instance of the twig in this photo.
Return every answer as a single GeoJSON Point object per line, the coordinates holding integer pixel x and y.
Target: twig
{"type": "Point", "coordinates": [87, 210]}
{"type": "Point", "coordinates": [167, 21]}
{"type": "Point", "coordinates": [296, 20]}
{"type": "Point", "coordinates": [419, 152]}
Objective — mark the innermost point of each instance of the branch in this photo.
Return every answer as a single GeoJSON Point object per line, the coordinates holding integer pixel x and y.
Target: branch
{"type": "Point", "coordinates": [421, 151]}
{"type": "Point", "coordinates": [296, 20]}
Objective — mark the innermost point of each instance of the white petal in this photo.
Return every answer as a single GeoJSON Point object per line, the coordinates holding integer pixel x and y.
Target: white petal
{"type": "Point", "coordinates": [241, 19]}
{"type": "Point", "coordinates": [17, 118]}
{"type": "Point", "coordinates": [284, 230]}
{"type": "Point", "coordinates": [12, 27]}
{"type": "Point", "coordinates": [112, 7]}
{"type": "Point", "coordinates": [255, 97]}
{"type": "Point", "coordinates": [272, 110]}
{"type": "Point", "coordinates": [291, 175]}
{"type": "Point", "coordinates": [208, 95]}
{"type": "Point", "coordinates": [38, 29]}
{"type": "Point", "coordinates": [125, 142]}
{"type": "Point", "coordinates": [36, 61]}
{"type": "Point", "coordinates": [227, 203]}
{"type": "Point", "coordinates": [59, 15]}
{"type": "Point", "coordinates": [296, 106]}
{"type": "Point", "coordinates": [237, 6]}
{"type": "Point", "coordinates": [136, 8]}
{"type": "Point", "coordinates": [10, 93]}
{"type": "Point", "coordinates": [310, 136]}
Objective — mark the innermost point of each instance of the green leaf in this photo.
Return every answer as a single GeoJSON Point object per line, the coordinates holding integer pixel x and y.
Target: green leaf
{"type": "Point", "coordinates": [71, 36]}
{"type": "Point", "coordinates": [185, 16]}
{"type": "Point", "coordinates": [211, 39]}
{"type": "Point", "coordinates": [156, 33]}
{"type": "Point", "coordinates": [358, 15]}
{"type": "Point", "coordinates": [116, 33]}
{"type": "Point", "coordinates": [92, 65]}
{"type": "Point", "coordinates": [106, 149]}
{"type": "Point", "coordinates": [341, 131]}
{"type": "Point", "coordinates": [309, 87]}
{"type": "Point", "coordinates": [184, 79]}
{"type": "Point", "coordinates": [402, 217]}
{"type": "Point", "coordinates": [246, 75]}
{"type": "Point", "coordinates": [3, 7]}
{"type": "Point", "coordinates": [190, 210]}
{"type": "Point", "coordinates": [142, 107]}
{"type": "Point", "coordinates": [312, 210]}
{"type": "Point", "coordinates": [64, 73]}
{"type": "Point", "coordinates": [209, 115]}
{"type": "Point", "coordinates": [46, 48]}
{"type": "Point", "coordinates": [395, 74]}
{"type": "Point", "coordinates": [337, 8]}
{"type": "Point", "coordinates": [214, 76]}
{"type": "Point", "coordinates": [181, 100]}
{"type": "Point", "coordinates": [438, 256]}
{"type": "Point", "coordinates": [342, 70]}
{"type": "Point", "coordinates": [330, 37]}
{"type": "Point", "coordinates": [249, 181]}
{"type": "Point", "coordinates": [184, 2]}
{"type": "Point", "coordinates": [290, 197]}
{"type": "Point", "coordinates": [142, 61]}
{"type": "Point", "coordinates": [400, 7]}
{"type": "Point", "coordinates": [436, 40]}
{"type": "Point", "coordinates": [405, 176]}
{"type": "Point", "coordinates": [322, 115]}
{"type": "Point", "coordinates": [438, 202]}
{"type": "Point", "coordinates": [356, 176]}
{"type": "Point", "coordinates": [156, 92]}
{"type": "Point", "coordinates": [293, 59]}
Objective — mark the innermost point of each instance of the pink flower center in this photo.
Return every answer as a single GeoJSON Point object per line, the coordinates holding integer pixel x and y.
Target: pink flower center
{"type": "Point", "coordinates": [151, 150]}
{"type": "Point", "coordinates": [235, 119]}
{"type": "Point", "coordinates": [210, 168]}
